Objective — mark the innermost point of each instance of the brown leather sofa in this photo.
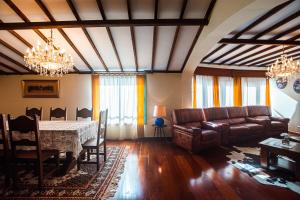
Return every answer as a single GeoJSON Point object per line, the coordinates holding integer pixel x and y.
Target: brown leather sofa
{"type": "Point", "coordinates": [237, 126]}
{"type": "Point", "coordinates": [263, 115]}
{"type": "Point", "coordinates": [191, 133]}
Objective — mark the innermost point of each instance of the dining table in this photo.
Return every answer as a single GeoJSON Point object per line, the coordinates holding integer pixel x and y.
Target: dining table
{"type": "Point", "coordinates": [65, 136]}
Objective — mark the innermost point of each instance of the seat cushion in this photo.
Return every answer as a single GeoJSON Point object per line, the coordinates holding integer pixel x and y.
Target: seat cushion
{"type": "Point", "coordinates": [238, 129]}
{"type": "Point", "coordinates": [208, 135]}
{"type": "Point", "coordinates": [92, 143]}
{"type": "Point", "coordinates": [254, 127]}
{"type": "Point", "coordinates": [237, 120]}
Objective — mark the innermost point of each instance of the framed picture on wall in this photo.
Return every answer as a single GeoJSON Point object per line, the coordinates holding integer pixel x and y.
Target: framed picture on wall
{"type": "Point", "coordinates": [40, 88]}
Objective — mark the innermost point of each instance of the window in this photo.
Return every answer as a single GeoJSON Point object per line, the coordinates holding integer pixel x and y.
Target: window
{"type": "Point", "coordinates": [253, 91]}
{"type": "Point", "coordinates": [225, 91]}
{"type": "Point", "coordinates": [204, 91]}
{"type": "Point", "coordinates": [119, 95]}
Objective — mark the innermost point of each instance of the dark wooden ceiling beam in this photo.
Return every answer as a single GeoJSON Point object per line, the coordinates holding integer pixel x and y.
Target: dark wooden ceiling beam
{"type": "Point", "coordinates": [11, 48]}
{"type": "Point", "coordinates": [154, 39]}
{"type": "Point", "coordinates": [208, 63]}
{"type": "Point", "coordinates": [14, 61]}
{"type": "Point", "coordinates": [10, 68]}
{"type": "Point", "coordinates": [273, 27]}
{"type": "Point", "coordinates": [102, 12]}
{"type": "Point", "coordinates": [132, 36]}
{"type": "Point", "coordinates": [199, 31]}
{"type": "Point", "coordinates": [252, 25]}
{"type": "Point", "coordinates": [75, 13]}
{"type": "Point", "coordinates": [260, 42]}
{"type": "Point", "coordinates": [49, 15]}
{"type": "Point", "coordinates": [268, 48]}
{"type": "Point", "coordinates": [272, 59]}
{"type": "Point", "coordinates": [183, 7]}
{"type": "Point", "coordinates": [102, 23]}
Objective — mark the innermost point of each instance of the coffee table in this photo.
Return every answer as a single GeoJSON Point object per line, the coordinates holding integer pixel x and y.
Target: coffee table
{"type": "Point", "coordinates": [271, 148]}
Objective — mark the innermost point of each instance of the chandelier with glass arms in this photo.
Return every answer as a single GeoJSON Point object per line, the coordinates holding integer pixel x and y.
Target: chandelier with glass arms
{"type": "Point", "coordinates": [49, 60]}
{"type": "Point", "coordinates": [283, 68]}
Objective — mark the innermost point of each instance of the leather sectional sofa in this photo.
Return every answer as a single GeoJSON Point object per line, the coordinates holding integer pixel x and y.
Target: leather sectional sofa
{"type": "Point", "coordinates": [197, 129]}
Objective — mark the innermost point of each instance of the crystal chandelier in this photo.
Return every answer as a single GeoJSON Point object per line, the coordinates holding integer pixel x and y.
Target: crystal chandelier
{"type": "Point", "coordinates": [283, 68]}
{"type": "Point", "coordinates": [50, 60]}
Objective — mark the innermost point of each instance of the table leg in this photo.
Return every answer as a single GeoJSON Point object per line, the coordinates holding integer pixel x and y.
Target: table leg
{"type": "Point", "coordinates": [264, 157]}
{"type": "Point", "coordinates": [68, 164]}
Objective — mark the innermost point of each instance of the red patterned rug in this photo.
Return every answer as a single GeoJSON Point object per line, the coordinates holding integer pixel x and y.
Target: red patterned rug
{"type": "Point", "coordinates": [85, 183]}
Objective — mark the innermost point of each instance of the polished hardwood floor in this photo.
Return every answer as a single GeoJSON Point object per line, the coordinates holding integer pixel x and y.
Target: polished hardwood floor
{"type": "Point", "coordinates": [161, 170]}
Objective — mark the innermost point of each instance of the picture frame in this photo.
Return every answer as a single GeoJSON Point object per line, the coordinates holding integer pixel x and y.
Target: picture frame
{"type": "Point", "coordinates": [40, 88]}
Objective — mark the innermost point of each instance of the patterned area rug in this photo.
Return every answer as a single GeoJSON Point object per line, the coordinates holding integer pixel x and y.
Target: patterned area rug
{"type": "Point", "coordinates": [247, 160]}
{"type": "Point", "coordinates": [85, 183]}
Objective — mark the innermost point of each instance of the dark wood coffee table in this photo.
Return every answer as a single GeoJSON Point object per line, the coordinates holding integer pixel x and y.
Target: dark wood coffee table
{"type": "Point", "coordinates": [271, 148]}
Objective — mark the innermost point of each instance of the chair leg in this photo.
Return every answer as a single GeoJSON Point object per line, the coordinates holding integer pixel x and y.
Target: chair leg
{"type": "Point", "coordinates": [97, 154]}
{"type": "Point", "coordinates": [104, 151]}
{"type": "Point", "coordinates": [88, 154]}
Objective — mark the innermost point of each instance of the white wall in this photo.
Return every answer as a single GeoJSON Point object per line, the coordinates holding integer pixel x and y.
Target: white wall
{"type": "Point", "coordinates": [286, 103]}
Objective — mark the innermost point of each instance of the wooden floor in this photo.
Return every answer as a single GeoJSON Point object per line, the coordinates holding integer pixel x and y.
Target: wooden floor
{"type": "Point", "coordinates": [160, 170]}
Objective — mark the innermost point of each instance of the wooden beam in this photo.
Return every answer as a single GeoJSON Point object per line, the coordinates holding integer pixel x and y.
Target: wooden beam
{"type": "Point", "coordinates": [260, 42]}
{"type": "Point", "coordinates": [295, 28]}
{"type": "Point", "coordinates": [62, 32]}
{"type": "Point", "coordinates": [75, 13]}
{"type": "Point", "coordinates": [102, 23]}
{"type": "Point", "coordinates": [209, 63]}
{"type": "Point", "coordinates": [252, 25]}
{"type": "Point", "coordinates": [11, 48]}
{"type": "Point", "coordinates": [132, 36]}
{"type": "Point", "coordinates": [207, 16]}
{"type": "Point", "coordinates": [273, 58]}
{"type": "Point", "coordinates": [271, 28]}
{"type": "Point", "coordinates": [14, 61]}
{"type": "Point", "coordinates": [154, 39]}
{"type": "Point", "coordinates": [183, 7]}
{"type": "Point", "coordinates": [100, 7]}
{"type": "Point", "coordinates": [10, 68]}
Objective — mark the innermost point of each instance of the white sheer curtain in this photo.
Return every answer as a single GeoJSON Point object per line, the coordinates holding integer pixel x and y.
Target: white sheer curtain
{"type": "Point", "coordinates": [253, 91]}
{"type": "Point", "coordinates": [204, 91]}
{"type": "Point", "coordinates": [119, 95]}
{"type": "Point", "coordinates": [226, 91]}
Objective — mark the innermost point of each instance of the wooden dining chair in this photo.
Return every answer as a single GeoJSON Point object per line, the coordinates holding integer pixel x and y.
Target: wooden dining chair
{"type": "Point", "coordinates": [30, 112]}
{"type": "Point", "coordinates": [33, 153]}
{"type": "Point", "coordinates": [84, 113]}
{"type": "Point", "coordinates": [4, 151]}
{"type": "Point", "coordinates": [58, 113]}
{"type": "Point", "coordinates": [92, 146]}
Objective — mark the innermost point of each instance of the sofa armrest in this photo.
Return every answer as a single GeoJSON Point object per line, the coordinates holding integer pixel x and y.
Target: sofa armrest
{"type": "Point", "coordinates": [192, 130]}
{"type": "Point", "coordinates": [216, 126]}
{"type": "Point", "coordinates": [263, 122]}
{"type": "Point", "coordinates": [284, 120]}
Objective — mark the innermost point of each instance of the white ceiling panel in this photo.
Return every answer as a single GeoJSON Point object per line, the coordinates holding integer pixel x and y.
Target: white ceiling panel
{"type": "Point", "coordinates": [31, 37]}
{"type": "Point", "coordinates": [31, 10]}
{"type": "Point", "coordinates": [165, 35]}
{"type": "Point", "coordinates": [183, 44]}
{"type": "Point", "coordinates": [122, 38]}
{"type": "Point", "coordinates": [12, 65]}
{"type": "Point", "coordinates": [5, 69]}
{"type": "Point", "coordinates": [196, 8]}
{"type": "Point", "coordinates": [144, 43]}
{"type": "Point", "coordinates": [83, 45]}
{"type": "Point", "coordinates": [87, 9]}
{"type": "Point", "coordinates": [168, 10]}
{"type": "Point", "coordinates": [13, 41]}
{"type": "Point", "coordinates": [142, 9]}
{"type": "Point", "coordinates": [102, 42]}
{"type": "Point", "coordinates": [220, 52]}
{"type": "Point", "coordinates": [243, 48]}
{"type": "Point", "coordinates": [59, 40]}
{"type": "Point", "coordinates": [115, 9]}
{"type": "Point", "coordinates": [60, 10]}
{"type": "Point", "coordinates": [11, 54]}
{"type": "Point", "coordinates": [7, 14]}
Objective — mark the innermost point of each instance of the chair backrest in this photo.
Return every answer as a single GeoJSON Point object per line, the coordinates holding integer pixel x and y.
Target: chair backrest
{"type": "Point", "coordinates": [34, 111]}
{"type": "Point", "coordinates": [84, 113]}
{"type": "Point", "coordinates": [3, 133]}
{"type": "Point", "coordinates": [58, 113]}
{"type": "Point", "coordinates": [24, 125]}
{"type": "Point", "coordinates": [102, 127]}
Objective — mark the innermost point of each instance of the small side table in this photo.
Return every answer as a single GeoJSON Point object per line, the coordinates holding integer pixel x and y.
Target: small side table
{"type": "Point", "coordinates": [159, 130]}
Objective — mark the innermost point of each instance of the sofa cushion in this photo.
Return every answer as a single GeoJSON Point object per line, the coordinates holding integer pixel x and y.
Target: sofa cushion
{"type": "Point", "coordinates": [239, 129]}
{"type": "Point", "coordinates": [254, 127]}
{"type": "Point", "coordinates": [254, 111]}
{"type": "Point", "coordinates": [216, 113]}
{"type": "Point", "coordinates": [192, 124]}
{"type": "Point", "coordinates": [237, 112]}
{"type": "Point", "coordinates": [224, 121]}
{"type": "Point", "coordinates": [237, 120]}
{"type": "Point", "coordinates": [187, 116]}
{"type": "Point", "coordinates": [208, 135]}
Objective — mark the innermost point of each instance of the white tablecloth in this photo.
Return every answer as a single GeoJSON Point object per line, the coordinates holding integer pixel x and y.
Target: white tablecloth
{"type": "Point", "coordinates": [65, 135]}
